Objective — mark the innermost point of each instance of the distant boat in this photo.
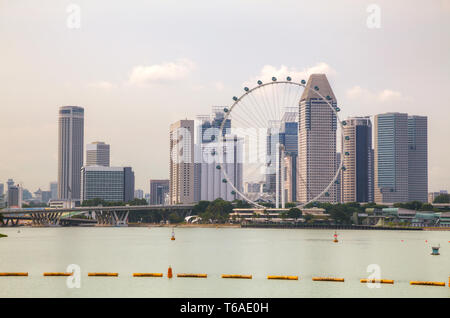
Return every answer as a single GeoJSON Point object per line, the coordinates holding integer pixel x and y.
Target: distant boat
{"type": "Point", "coordinates": [173, 235]}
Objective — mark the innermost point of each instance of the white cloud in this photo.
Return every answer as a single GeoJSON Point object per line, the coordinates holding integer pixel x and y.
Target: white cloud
{"type": "Point", "coordinates": [363, 94]}
{"type": "Point", "coordinates": [269, 71]}
{"type": "Point", "coordinates": [160, 73]}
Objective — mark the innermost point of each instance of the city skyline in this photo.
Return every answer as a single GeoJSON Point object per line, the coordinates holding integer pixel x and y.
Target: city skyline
{"type": "Point", "coordinates": [199, 81]}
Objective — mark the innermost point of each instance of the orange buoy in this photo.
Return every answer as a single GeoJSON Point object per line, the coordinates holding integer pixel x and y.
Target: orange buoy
{"type": "Point", "coordinates": [169, 272]}
{"type": "Point", "coordinates": [335, 237]}
{"type": "Point", "coordinates": [173, 236]}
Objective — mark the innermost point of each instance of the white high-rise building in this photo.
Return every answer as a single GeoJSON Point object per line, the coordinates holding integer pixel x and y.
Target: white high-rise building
{"type": "Point", "coordinates": [70, 152]}
{"type": "Point", "coordinates": [213, 182]}
{"type": "Point", "coordinates": [181, 188]}
{"type": "Point", "coordinates": [316, 142]}
{"type": "Point", "coordinates": [97, 154]}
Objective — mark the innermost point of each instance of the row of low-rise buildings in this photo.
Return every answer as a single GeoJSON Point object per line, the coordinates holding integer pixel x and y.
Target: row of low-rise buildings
{"type": "Point", "coordinates": [384, 158]}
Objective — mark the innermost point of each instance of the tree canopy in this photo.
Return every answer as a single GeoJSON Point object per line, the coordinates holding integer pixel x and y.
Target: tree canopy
{"type": "Point", "coordinates": [442, 198]}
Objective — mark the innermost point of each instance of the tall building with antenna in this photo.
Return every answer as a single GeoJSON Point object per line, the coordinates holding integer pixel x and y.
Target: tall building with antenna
{"type": "Point", "coordinates": [70, 152]}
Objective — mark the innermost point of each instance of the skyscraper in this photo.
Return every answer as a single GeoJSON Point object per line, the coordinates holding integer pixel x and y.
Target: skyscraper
{"type": "Point", "coordinates": [15, 196]}
{"type": "Point", "coordinates": [139, 194]}
{"type": "Point", "coordinates": [9, 183]}
{"type": "Point", "coordinates": [158, 191]}
{"type": "Point", "coordinates": [391, 157]}
{"type": "Point", "coordinates": [316, 141]}
{"type": "Point", "coordinates": [417, 158]}
{"type": "Point", "coordinates": [181, 167]}
{"type": "Point", "coordinates": [213, 182]}
{"type": "Point", "coordinates": [70, 152]}
{"type": "Point", "coordinates": [357, 182]}
{"type": "Point", "coordinates": [97, 154]}
{"type": "Point", "coordinates": [54, 190]}
{"type": "Point", "coordinates": [206, 142]}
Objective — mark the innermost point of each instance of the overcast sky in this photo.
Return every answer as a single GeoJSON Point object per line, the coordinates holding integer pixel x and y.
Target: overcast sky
{"type": "Point", "coordinates": [138, 66]}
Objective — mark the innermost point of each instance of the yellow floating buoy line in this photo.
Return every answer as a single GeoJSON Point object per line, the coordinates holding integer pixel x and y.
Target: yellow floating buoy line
{"type": "Point", "coordinates": [147, 274]}
{"type": "Point", "coordinates": [237, 276]}
{"type": "Point", "coordinates": [282, 277]}
{"type": "Point", "coordinates": [328, 279]}
{"type": "Point", "coordinates": [427, 283]}
{"type": "Point", "coordinates": [14, 274]}
{"type": "Point", "coordinates": [379, 281]}
{"type": "Point", "coordinates": [193, 275]}
{"type": "Point", "coordinates": [57, 274]}
{"type": "Point", "coordinates": [104, 274]}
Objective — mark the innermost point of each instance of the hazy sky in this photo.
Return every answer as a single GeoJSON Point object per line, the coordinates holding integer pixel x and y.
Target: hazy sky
{"type": "Point", "coordinates": [138, 66]}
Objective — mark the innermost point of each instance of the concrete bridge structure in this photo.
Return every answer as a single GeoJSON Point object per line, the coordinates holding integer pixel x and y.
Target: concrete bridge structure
{"type": "Point", "coordinates": [99, 215]}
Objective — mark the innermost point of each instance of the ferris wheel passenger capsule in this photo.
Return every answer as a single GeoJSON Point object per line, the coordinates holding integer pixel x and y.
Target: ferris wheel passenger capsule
{"type": "Point", "coordinates": [327, 194]}
{"type": "Point", "coordinates": [235, 98]}
{"type": "Point", "coordinates": [344, 123]}
{"type": "Point", "coordinates": [316, 88]}
{"type": "Point", "coordinates": [224, 180]}
{"type": "Point", "coordinates": [328, 97]}
{"type": "Point", "coordinates": [274, 79]}
{"type": "Point", "coordinates": [225, 110]}
{"type": "Point", "coordinates": [218, 167]}
{"type": "Point", "coordinates": [347, 153]}
{"type": "Point", "coordinates": [259, 83]}
{"type": "Point", "coordinates": [233, 192]}
{"type": "Point", "coordinates": [344, 168]}
{"type": "Point", "coordinates": [288, 78]}
{"type": "Point", "coordinates": [347, 137]}
{"type": "Point", "coordinates": [246, 89]}
{"type": "Point", "coordinates": [338, 109]}
{"type": "Point", "coordinates": [303, 82]}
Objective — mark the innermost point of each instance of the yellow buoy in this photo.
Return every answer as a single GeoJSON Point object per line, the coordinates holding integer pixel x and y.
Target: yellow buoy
{"type": "Point", "coordinates": [193, 275]}
{"type": "Point", "coordinates": [147, 274]}
{"type": "Point", "coordinates": [380, 281]}
{"type": "Point", "coordinates": [104, 274]}
{"type": "Point", "coordinates": [328, 279]}
{"type": "Point", "coordinates": [57, 274]}
{"type": "Point", "coordinates": [237, 276]}
{"type": "Point", "coordinates": [427, 283]}
{"type": "Point", "coordinates": [282, 277]}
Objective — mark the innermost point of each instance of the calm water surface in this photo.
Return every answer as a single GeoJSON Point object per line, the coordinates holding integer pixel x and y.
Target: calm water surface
{"type": "Point", "coordinates": [260, 252]}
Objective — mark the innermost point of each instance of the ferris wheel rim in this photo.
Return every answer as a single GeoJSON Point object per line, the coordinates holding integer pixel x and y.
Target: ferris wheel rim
{"type": "Point", "coordinates": [247, 92]}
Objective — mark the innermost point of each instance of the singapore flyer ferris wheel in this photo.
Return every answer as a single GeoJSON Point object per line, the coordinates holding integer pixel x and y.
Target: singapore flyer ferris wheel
{"type": "Point", "coordinates": [287, 133]}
